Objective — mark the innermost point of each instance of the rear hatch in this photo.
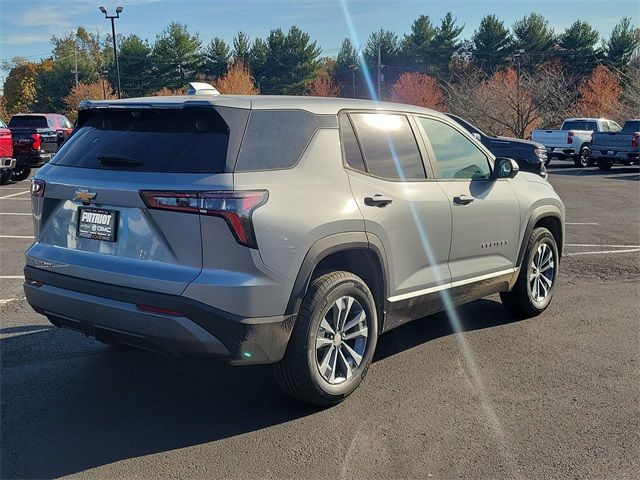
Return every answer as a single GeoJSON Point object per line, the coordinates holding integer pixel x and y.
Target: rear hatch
{"type": "Point", "coordinates": [92, 222]}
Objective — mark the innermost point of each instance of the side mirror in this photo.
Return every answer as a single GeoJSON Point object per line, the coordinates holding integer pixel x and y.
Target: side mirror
{"type": "Point", "coordinates": [505, 168]}
{"type": "Point", "coordinates": [477, 136]}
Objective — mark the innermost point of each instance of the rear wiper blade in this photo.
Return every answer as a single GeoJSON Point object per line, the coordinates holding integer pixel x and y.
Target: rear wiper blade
{"type": "Point", "coordinates": [118, 160]}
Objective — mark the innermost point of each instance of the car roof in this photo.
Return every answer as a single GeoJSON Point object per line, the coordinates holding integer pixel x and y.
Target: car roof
{"type": "Point", "coordinates": [582, 119]}
{"type": "Point", "coordinates": [318, 105]}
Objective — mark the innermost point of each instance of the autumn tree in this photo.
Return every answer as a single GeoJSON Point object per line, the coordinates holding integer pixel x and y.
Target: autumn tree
{"type": "Point", "coordinates": [600, 94]}
{"type": "Point", "coordinates": [86, 91]}
{"type": "Point", "coordinates": [168, 92]}
{"type": "Point", "coordinates": [20, 87]}
{"type": "Point", "coordinates": [324, 85]}
{"type": "Point", "coordinates": [237, 80]}
{"type": "Point", "coordinates": [418, 89]}
{"type": "Point", "coordinates": [4, 115]}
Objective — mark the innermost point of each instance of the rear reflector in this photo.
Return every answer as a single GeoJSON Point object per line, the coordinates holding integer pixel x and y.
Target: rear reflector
{"type": "Point", "coordinates": [163, 311]}
{"type": "Point", "coordinates": [236, 207]}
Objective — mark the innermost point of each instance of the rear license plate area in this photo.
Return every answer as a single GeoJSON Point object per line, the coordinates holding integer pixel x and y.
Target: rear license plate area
{"type": "Point", "coordinates": [97, 224]}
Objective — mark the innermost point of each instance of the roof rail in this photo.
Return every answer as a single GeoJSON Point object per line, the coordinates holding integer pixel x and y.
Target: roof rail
{"type": "Point", "coordinates": [201, 88]}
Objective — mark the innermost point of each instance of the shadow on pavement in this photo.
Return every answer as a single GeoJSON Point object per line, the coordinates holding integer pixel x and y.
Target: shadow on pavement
{"type": "Point", "coordinates": [595, 172]}
{"type": "Point", "coordinates": [70, 404]}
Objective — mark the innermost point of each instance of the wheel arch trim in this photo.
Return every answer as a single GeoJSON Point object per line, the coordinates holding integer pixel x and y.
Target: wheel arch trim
{"type": "Point", "coordinates": [539, 213]}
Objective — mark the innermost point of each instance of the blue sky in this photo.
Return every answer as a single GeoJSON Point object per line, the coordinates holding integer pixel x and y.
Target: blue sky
{"type": "Point", "coordinates": [26, 26]}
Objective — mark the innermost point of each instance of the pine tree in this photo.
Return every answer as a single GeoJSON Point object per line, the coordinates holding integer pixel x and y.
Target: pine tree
{"type": "Point", "coordinates": [176, 56]}
{"type": "Point", "coordinates": [136, 65]}
{"type": "Point", "coordinates": [580, 54]}
{"type": "Point", "coordinates": [623, 42]}
{"type": "Point", "coordinates": [492, 44]}
{"type": "Point", "coordinates": [446, 44]}
{"type": "Point", "coordinates": [217, 56]}
{"type": "Point", "coordinates": [241, 48]}
{"type": "Point", "coordinates": [534, 36]}
{"type": "Point", "coordinates": [416, 46]}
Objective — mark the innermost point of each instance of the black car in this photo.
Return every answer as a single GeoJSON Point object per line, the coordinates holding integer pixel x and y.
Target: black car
{"type": "Point", "coordinates": [531, 156]}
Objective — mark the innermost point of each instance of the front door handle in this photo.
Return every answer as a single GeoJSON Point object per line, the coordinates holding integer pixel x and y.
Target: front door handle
{"type": "Point", "coordinates": [462, 200]}
{"type": "Point", "coordinates": [377, 201]}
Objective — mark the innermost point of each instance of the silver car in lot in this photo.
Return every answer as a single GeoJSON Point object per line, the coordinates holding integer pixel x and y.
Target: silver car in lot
{"type": "Point", "coordinates": [283, 230]}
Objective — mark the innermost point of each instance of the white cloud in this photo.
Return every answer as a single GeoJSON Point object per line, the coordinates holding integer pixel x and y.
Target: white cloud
{"type": "Point", "coordinates": [44, 17]}
{"type": "Point", "coordinates": [26, 39]}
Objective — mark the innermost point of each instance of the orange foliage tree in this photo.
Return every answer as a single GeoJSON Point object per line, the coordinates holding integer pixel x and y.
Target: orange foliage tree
{"type": "Point", "coordinates": [323, 86]}
{"type": "Point", "coordinates": [237, 80]}
{"type": "Point", "coordinates": [418, 89]}
{"type": "Point", "coordinates": [86, 91]}
{"type": "Point", "coordinates": [600, 94]}
{"type": "Point", "coordinates": [168, 92]}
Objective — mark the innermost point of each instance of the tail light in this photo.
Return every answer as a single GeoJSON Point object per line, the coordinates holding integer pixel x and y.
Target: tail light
{"type": "Point", "coordinates": [570, 138]}
{"type": "Point", "coordinates": [236, 207]}
{"type": "Point", "coordinates": [634, 139]}
{"type": "Point", "coordinates": [37, 141]}
{"type": "Point", "coordinates": [37, 187]}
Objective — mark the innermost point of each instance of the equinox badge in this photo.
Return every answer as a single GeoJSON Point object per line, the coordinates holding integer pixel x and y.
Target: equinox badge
{"type": "Point", "coordinates": [84, 195]}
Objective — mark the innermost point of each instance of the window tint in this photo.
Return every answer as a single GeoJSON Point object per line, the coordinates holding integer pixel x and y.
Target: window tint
{"type": "Point", "coordinates": [456, 156]}
{"type": "Point", "coordinates": [28, 121]}
{"type": "Point", "coordinates": [352, 153]}
{"type": "Point", "coordinates": [631, 126]}
{"type": "Point", "coordinates": [187, 140]}
{"type": "Point", "coordinates": [389, 146]}
{"type": "Point", "coordinates": [276, 139]}
{"type": "Point", "coordinates": [64, 122]}
{"type": "Point", "coordinates": [614, 127]}
{"type": "Point", "coordinates": [579, 125]}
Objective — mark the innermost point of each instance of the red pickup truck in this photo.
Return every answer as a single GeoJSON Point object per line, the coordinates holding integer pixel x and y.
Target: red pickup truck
{"type": "Point", "coordinates": [7, 162]}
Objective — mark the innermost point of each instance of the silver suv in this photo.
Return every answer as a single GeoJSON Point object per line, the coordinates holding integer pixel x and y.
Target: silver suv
{"type": "Point", "coordinates": [284, 230]}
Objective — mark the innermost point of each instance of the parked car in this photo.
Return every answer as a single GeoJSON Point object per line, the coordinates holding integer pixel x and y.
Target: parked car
{"type": "Point", "coordinates": [531, 156]}
{"type": "Point", "coordinates": [7, 162]}
{"type": "Point", "coordinates": [36, 138]}
{"type": "Point", "coordinates": [573, 140]}
{"type": "Point", "coordinates": [283, 230]}
{"type": "Point", "coordinates": [617, 147]}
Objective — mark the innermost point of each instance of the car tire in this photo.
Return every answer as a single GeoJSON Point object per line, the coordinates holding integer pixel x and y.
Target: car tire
{"type": "Point", "coordinates": [5, 176]}
{"type": "Point", "coordinates": [605, 163]}
{"type": "Point", "coordinates": [583, 159]}
{"type": "Point", "coordinates": [20, 173]}
{"type": "Point", "coordinates": [536, 280]}
{"type": "Point", "coordinates": [319, 368]}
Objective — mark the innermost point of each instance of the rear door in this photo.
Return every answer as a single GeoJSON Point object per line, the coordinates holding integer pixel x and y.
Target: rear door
{"type": "Point", "coordinates": [92, 222]}
{"type": "Point", "coordinates": [486, 212]}
{"type": "Point", "coordinates": [402, 205]}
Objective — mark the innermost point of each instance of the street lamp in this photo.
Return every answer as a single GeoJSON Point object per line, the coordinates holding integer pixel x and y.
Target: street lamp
{"type": "Point", "coordinates": [113, 34]}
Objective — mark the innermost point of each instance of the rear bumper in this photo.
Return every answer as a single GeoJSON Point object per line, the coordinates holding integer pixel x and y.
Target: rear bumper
{"type": "Point", "coordinates": [110, 313]}
{"type": "Point", "coordinates": [615, 155]}
{"type": "Point", "coordinates": [561, 152]}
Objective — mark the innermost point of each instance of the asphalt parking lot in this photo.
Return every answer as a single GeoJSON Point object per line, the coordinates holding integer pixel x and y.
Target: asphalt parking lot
{"type": "Point", "coordinates": [555, 396]}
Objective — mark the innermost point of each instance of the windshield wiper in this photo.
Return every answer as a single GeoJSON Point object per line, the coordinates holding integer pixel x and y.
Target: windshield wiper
{"type": "Point", "coordinates": [116, 160]}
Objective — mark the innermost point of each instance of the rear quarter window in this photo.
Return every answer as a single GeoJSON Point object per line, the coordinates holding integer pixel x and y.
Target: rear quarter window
{"type": "Point", "coordinates": [276, 139]}
{"type": "Point", "coordinates": [185, 140]}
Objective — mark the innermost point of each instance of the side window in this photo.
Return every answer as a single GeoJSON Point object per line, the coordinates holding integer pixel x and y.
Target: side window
{"type": "Point", "coordinates": [456, 156]}
{"type": "Point", "coordinates": [389, 146]}
{"type": "Point", "coordinates": [352, 153]}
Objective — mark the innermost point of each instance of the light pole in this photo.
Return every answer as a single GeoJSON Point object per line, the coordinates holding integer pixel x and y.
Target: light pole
{"type": "Point", "coordinates": [113, 34]}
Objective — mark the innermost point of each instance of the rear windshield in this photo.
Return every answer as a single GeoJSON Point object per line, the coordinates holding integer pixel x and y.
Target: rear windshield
{"type": "Point", "coordinates": [631, 126]}
{"type": "Point", "coordinates": [186, 140]}
{"type": "Point", "coordinates": [579, 125]}
{"type": "Point", "coordinates": [28, 121]}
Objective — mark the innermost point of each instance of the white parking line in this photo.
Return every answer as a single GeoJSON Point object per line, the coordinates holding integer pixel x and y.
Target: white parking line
{"type": "Point", "coordinates": [14, 195]}
{"type": "Point", "coordinates": [7, 300]}
{"type": "Point", "coordinates": [594, 245]}
{"type": "Point", "coordinates": [16, 236]}
{"type": "Point", "coordinates": [19, 214]}
{"type": "Point", "coordinates": [602, 251]}
{"type": "Point", "coordinates": [11, 277]}
{"type": "Point", "coordinates": [5, 198]}
{"type": "Point", "coordinates": [580, 223]}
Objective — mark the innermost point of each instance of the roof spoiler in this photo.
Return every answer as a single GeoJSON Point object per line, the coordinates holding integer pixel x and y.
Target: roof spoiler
{"type": "Point", "coordinates": [201, 88]}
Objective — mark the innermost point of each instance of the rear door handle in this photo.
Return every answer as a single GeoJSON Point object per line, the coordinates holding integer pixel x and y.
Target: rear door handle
{"type": "Point", "coordinates": [462, 200]}
{"type": "Point", "coordinates": [377, 201]}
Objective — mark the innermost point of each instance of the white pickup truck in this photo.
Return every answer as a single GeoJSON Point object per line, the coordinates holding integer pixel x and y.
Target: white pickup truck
{"type": "Point", "coordinates": [573, 140]}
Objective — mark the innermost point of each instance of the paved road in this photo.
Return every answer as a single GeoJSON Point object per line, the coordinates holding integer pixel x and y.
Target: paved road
{"type": "Point", "coordinates": [556, 396]}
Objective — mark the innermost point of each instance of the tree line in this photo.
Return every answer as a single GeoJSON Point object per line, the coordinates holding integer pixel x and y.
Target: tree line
{"type": "Point", "coordinates": [506, 78]}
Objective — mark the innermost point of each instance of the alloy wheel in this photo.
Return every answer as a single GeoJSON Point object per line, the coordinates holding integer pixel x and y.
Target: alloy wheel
{"type": "Point", "coordinates": [541, 273]}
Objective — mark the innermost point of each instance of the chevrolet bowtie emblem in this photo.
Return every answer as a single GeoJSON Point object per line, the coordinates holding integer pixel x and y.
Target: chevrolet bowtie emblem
{"type": "Point", "coordinates": [84, 195]}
